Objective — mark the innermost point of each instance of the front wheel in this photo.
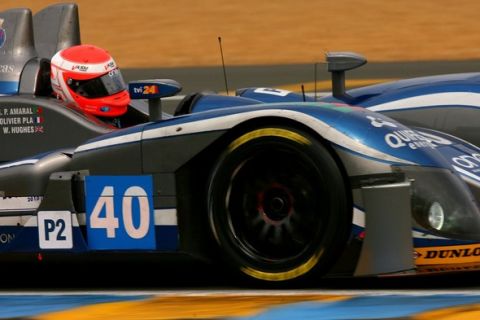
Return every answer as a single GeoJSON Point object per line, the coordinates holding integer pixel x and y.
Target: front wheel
{"type": "Point", "coordinates": [278, 206]}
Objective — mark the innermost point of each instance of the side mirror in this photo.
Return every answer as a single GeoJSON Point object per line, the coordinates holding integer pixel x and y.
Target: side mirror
{"type": "Point", "coordinates": [153, 90]}
{"type": "Point", "coordinates": [337, 64]}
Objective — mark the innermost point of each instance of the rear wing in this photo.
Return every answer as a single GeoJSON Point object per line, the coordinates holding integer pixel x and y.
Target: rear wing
{"type": "Point", "coordinates": [28, 42]}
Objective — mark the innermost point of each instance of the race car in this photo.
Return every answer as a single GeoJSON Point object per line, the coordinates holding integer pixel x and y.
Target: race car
{"type": "Point", "coordinates": [276, 191]}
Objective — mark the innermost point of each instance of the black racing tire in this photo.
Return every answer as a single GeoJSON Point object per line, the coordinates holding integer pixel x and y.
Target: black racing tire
{"type": "Point", "coordinates": [278, 205]}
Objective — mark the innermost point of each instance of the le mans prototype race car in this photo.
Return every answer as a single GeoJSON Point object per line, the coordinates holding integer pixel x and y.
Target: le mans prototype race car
{"type": "Point", "coordinates": [280, 188]}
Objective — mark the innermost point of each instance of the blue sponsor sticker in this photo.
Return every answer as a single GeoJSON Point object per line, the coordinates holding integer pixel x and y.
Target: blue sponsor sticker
{"type": "Point", "coordinates": [151, 89]}
{"type": "Point", "coordinates": [144, 91]}
{"type": "Point", "coordinates": [120, 212]}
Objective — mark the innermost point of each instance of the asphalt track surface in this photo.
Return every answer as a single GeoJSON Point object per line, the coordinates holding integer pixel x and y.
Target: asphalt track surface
{"type": "Point", "coordinates": [181, 287]}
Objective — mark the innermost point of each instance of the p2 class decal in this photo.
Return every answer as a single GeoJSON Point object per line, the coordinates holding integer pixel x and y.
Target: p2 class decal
{"type": "Point", "coordinates": [55, 230]}
{"type": "Point", "coordinates": [119, 213]}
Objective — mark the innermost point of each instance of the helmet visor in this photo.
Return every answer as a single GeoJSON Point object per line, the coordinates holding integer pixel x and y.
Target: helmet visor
{"type": "Point", "coordinates": [105, 85]}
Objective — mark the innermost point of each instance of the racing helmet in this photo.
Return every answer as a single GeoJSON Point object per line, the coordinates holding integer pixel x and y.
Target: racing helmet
{"type": "Point", "coordinates": [88, 77]}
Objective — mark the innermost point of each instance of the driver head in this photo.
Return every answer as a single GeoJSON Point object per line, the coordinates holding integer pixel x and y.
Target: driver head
{"type": "Point", "coordinates": [88, 77]}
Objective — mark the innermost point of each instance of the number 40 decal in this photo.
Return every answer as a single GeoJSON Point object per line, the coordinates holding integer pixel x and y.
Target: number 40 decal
{"type": "Point", "coordinates": [119, 212]}
{"type": "Point", "coordinates": [110, 222]}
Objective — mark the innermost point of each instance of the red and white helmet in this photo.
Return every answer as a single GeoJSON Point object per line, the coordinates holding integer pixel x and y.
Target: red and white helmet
{"type": "Point", "coordinates": [87, 77]}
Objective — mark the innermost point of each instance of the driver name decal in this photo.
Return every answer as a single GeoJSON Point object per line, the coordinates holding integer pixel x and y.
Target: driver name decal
{"type": "Point", "coordinates": [21, 120]}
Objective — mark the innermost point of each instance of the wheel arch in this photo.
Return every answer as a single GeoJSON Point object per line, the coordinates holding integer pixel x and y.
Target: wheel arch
{"type": "Point", "coordinates": [193, 177]}
{"type": "Point", "coordinates": [281, 121]}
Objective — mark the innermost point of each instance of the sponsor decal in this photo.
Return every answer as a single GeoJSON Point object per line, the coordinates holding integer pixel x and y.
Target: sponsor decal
{"type": "Point", "coordinates": [7, 68]}
{"type": "Point", "coordinates": [379, 123]}
{"type": "Point", "coordinates": [447, 254]}
{"type": "Point", "coordinates": [436, 139]}
{"type": "Point", "coordinates": [138, 90]}
{"type": "Point", "coordinates": [151, 89]}
{"type": "Point", "coordinates": [6, 238]}
{"type": "Point", "coordinates": [3, 34]}
{"type": "Point", "coordinates": [109, 65]}
{"type": "Point", "coordinates": [407, 137]}
{"type": "Point", "coordinates": [79, 67]}
{"type": "Point", "coordinates": [34, 199]}
{"type": "Point", "coordinates": [468, 161]}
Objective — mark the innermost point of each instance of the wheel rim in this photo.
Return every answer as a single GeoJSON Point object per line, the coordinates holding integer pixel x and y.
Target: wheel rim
{"type": "Point", "coordinates": [274, 207]}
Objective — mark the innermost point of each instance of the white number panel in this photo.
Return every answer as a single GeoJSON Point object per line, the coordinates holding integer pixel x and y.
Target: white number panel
{"type": "Point", "coordinates": [274, 92]}
{"type": "Point", "coordinates": [55, 230]}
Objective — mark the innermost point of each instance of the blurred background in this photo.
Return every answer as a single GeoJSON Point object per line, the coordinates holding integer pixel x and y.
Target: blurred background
{"type": "Point", "coordinates": [182, 33]}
